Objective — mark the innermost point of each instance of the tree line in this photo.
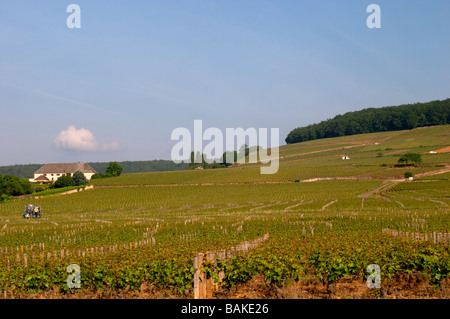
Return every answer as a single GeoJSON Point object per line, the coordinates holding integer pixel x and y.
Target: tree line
{"type": "Point", "coordinates": [27, 170]}
{"type": "Point", "coordinates": [13, 186]}
{"type": "Point", "coordinates": [142, 166]}
{"type": "Point", "coordinates": [371, 120]}
{"type": "Point", "coordinates": [227, 159]}
{"type": "Point", "coordinates": [113, 170]}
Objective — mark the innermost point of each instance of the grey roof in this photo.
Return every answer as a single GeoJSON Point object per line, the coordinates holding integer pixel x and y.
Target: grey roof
{"type": "Point", "coordinates": [65, 168]}
{"type": "Point", "coordinates": [41, 178]}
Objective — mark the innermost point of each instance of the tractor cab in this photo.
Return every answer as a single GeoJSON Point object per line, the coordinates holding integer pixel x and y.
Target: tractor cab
{"type": "Point", "coordinates": [32, 211]}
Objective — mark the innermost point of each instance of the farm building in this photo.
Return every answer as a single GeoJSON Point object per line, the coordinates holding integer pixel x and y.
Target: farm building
{"type": "Point", "coordinates": [51, 172]}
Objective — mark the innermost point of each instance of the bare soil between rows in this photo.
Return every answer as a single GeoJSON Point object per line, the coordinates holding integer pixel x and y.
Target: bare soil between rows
{"type": "Point", "coordinates": [408, 286]}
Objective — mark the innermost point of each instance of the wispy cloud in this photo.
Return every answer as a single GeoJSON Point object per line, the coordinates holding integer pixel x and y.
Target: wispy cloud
{"type": "Point", "coordinates": [56, 97]}
{"type": "Point", "coordinates": [113, 146]}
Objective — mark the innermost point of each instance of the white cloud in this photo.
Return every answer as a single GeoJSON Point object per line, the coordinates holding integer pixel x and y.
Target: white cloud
{"type": "Point", "coordinates": [82, 140]}
{"type": "Point", "coordinates": [76, 139]}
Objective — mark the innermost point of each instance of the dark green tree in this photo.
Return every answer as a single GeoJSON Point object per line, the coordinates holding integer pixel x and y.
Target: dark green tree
{"type": "Point", "coordinates": [79, 178]}
{"type": "Point", "coordinates": [64, 181]}
{"type": "Point", "coordinates": [113, 169]}
{"type": "Point", "coordinates": [26, 186]}
{"type": "Point", "coordinates": [98, 176]}
{"type": "Point", "coordinates": [414, 158]}
{"type": "Point", "coordinates": [14, 186]}
{"type": "Point", "coordinates": [408, 175]}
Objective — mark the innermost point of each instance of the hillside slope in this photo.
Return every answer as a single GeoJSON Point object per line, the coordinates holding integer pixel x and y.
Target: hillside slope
{"type": "Point", "coordinates": [371, 156]}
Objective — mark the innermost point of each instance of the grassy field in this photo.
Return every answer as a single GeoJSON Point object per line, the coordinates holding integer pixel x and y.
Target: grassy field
{"type": "Point", "coordinates": [141, 230]}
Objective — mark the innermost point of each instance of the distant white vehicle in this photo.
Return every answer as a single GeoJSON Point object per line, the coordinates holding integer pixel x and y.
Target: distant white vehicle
{"type": "Point", "coordinates": [345, 157]}
{"type": "Point", "coordinates": [432, 152]}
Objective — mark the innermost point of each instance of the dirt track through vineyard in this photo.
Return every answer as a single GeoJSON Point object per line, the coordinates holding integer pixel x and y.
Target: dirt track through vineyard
{"type": "Point", "coordinates": [396, 181]}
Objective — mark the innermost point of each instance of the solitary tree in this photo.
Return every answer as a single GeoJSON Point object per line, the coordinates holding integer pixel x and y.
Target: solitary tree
{"type": "Point", "coordinates": [79, 178]}
{"type": "Point", "coordinates": [113, 169]}
{"type": "Point", "coordinates": [414, 158]}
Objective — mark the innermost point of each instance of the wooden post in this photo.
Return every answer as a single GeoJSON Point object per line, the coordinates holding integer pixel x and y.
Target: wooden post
{"type": "Point", "coordinates": [196, 277]}
{"type": "Point", "coordinates": [208, 281]}
{"type": "Point", "coordinates": [221, 256]}
{"type": "Point", "coordinates": [199, 282]}
{"type": "Point", "coordinates": [202, 276]}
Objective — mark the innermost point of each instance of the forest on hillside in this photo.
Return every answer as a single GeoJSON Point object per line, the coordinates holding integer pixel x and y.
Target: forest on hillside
{"type": "Point", "coordinates": [371, 120]}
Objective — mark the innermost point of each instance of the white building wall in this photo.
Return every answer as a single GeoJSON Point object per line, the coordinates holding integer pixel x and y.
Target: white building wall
{"type": "Point", "coordinates": [54, 176]}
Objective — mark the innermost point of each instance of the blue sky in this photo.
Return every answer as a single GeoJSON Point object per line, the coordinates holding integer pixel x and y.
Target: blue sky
{"type": "Point", "coordinates": [136, 70]}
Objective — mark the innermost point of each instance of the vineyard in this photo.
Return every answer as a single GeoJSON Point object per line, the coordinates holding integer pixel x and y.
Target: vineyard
{"type": "Point", "coordinates": [137, 235]}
